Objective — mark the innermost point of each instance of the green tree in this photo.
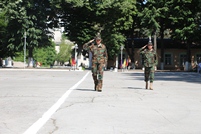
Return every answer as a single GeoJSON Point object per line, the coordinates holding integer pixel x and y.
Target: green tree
{"type": "Point", "coordinates": [64, 54]}
{"type": "Point", "coordinates": [34, 17]}
{"type": "Point", "coordinates": [182, 18]}
{"type": "Point", "coordinates": [155, 16]}
{"type": "Point", "coordinates": [84, 19]}
{"type": "Point", "coordinates": [45, 55]}
{"type": "Point", "coordinates": [3, 25]}
{"type": "Point", "coordinates": [186, 19]}
{"type": "Point", "coordinates": [16, 17]}
{"type": "Point", "coordinates": [19, 56]}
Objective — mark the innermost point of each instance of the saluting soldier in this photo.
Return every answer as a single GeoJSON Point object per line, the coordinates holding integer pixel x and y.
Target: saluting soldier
{"type": "Point", "coordinates": [150, 62]}
{"type": "Point", "coordinates": [99, 60]}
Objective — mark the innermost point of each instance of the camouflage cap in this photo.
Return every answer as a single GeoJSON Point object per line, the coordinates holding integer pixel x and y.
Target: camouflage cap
{"type": "Point", "coordinates": [150, 43]}
{"type": "Point", "coordinates": [98, 38]}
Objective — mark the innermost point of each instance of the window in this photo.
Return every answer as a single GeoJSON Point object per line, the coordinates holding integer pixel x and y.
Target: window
{"type": "Point", "coordinates": [168, 59]}
{"type": "Point", "coordinates": [198, 58]}
{"type": "Point", "coordinates": [182, 59]}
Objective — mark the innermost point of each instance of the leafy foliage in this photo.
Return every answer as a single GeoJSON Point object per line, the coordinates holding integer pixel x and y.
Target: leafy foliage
{"type": "Point", "coordinates": [19, 56]}
{"type": "Point", "coordinates": [178, 18]}
{"type": "Point", "coordinates": [3, 25]}
{"type": "Point", "coordinates": [84, 19]}
{"type": "Point", "coordinates": [186, 20]}
{"type": "Point", "coordinates": [45, 55]}
{"type": "Point", "coordinates": [30, 17]}
{"type": "Point", "coordinates": [64, 54]}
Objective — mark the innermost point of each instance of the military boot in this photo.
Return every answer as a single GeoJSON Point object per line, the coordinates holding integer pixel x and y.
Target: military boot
{"type": "Point", "coordinates": [95, 86]}
{"type": "Point", "coordinates": [151, 86]}
{"type": "Point", "coordinates": [99, 89]}
{"type": "Point", "coordinates": [95, 81]}
{"type": "Point", "coordinates": [146, 86]}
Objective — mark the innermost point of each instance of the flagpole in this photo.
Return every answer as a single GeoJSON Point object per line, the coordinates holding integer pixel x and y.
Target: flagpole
{"type": "Point", "coordinates": [24, 50]}
{"type": "Point", "coordinates": [121, 56]}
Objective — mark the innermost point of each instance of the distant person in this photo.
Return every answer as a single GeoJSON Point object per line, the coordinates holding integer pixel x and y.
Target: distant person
{"type": "Point", "coordinates": [129, 62]}
{"type": "Point", "coordinates": [150, 62]}
{"type": "Point", "coordinates": [199, 67]}
{"type": "Point", "coordinates": [1, 62]}
{"type": "Point", "coordinates": [99, 60]}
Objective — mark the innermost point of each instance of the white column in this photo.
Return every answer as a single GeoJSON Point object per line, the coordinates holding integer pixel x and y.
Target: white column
{"type": "Point", "coordinates": [116, 68]}
{"type": "Point", "coordinates": [90, 59]}
{"type": "Point", "coordinates": [30, 59]}
{"type": "Point", "coordinates": [187, 66]}
{"type": "Point", "coordinates": [9, 62]}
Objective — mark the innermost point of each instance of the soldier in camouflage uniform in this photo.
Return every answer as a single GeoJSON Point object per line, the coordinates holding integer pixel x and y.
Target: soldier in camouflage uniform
{"type": "Point", "coordinates": [99, 60]}
{"type": "Point", "coordinates": [150, 62]}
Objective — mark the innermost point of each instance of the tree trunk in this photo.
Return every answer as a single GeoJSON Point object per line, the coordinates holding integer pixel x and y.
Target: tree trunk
{"type": "Point", "coordinates": [162, 49]}
{"type": "Point", "coordinates": [155, 43]}
{"type": "Point", "coordinates": [131, 52]}
{"type": "Point", "coordinates": [188, 59]}
{"type": "Point", "coordinates": [30, 57]}
{"type": "Point", "coordinates": [128, 49]}
{"type": "Point", "coordinates": [132, 55]}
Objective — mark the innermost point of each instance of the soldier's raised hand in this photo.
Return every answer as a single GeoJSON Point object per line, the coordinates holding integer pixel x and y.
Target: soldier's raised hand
{"type": "Point", "coordinates": [144, 46]}
{"type": "Point", "coordinates": [91, 41]}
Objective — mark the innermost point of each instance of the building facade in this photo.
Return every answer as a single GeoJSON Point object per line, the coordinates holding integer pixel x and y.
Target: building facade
{"type": "Point", "coordinates": [174, 54]}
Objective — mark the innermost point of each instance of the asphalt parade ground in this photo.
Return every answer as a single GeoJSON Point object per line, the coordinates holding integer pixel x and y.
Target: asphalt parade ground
{"type": "Point", "coordinates": [50, 101]}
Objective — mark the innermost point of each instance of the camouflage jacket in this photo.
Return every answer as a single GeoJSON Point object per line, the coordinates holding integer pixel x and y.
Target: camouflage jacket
{"type": "Point", "coordinates": [150, 57]}
{"type": "Point", "coordinates": [99, 53]}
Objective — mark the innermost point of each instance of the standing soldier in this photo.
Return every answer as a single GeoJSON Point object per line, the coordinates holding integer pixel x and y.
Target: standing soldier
{"type": "Point", "coordinates": [150, 62]}
{"type": "Point", "coordinates": [99, 59]}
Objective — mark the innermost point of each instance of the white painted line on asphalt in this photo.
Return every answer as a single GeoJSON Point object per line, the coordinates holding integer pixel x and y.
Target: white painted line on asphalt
{"type": "Point", "coordinates": [46, 116]}
{"type": "Point", "coordinates": [37, 70]}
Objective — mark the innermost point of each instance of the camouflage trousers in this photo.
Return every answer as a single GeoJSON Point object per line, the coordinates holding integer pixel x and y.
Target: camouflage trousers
{"type": "Point", "coordinates": [149, 74]}
{"type": "Point", "coordinates": [97, 74]}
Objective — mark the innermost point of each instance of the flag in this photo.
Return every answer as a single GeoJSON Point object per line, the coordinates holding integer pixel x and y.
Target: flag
{"type": "Point", "coordinates": [127, 62]}
{"type": "Point", "coordinates": [72, 61]}
{"type": "Point", "coordinates": [124, 64]}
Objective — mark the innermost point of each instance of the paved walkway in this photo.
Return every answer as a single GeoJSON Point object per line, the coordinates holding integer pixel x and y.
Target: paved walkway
{"type": "Point", "coordinates": [63, 102]}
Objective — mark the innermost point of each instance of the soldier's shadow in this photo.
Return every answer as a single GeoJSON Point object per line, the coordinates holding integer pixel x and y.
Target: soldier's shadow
{"type": "Point", "coordinates": [84, 89]}
{"type": "Point", "coordinates": [136, 88]}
